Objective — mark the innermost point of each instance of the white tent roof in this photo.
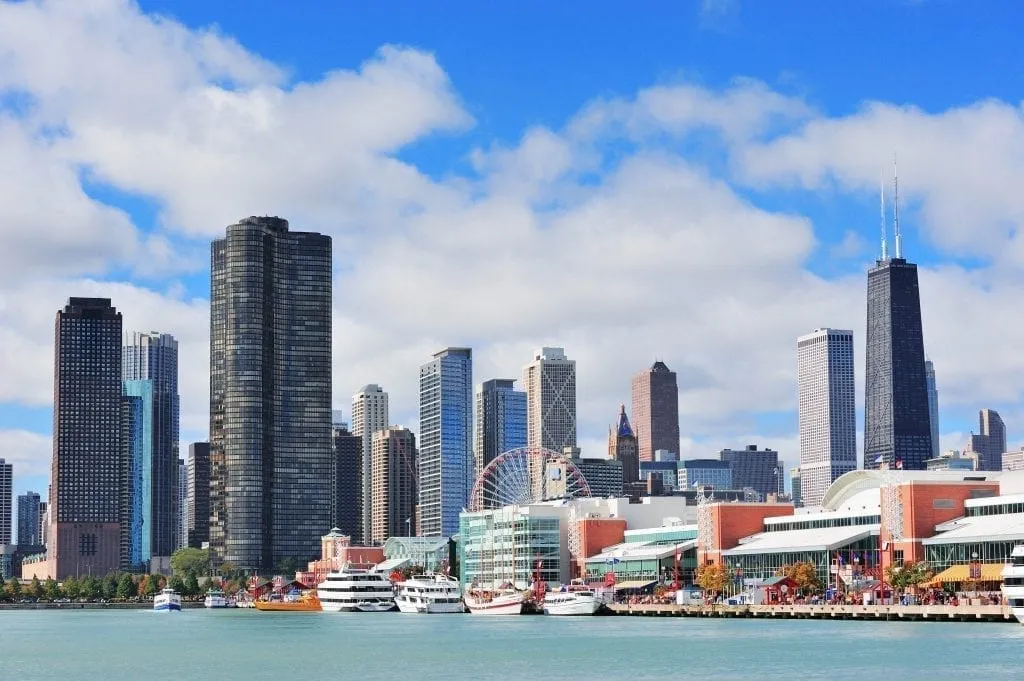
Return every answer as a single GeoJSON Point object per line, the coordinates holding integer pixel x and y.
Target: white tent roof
{"type": "Point", "coordinates": [793, 541]}
{"type": "Point", "coordinates": [641, 551]}
{"type": "Point", "coordinates": [1008, 527]}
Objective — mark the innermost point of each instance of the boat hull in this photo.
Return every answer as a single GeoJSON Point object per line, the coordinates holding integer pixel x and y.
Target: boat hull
{"type": "Point", "coordinates": [308, 605]}
{"type": "Point", "coordinates": [215, 602]}
{"type": "Point", "coordinates": [502, 605]}
{"type": "Point", "coordinates": [409, 607]}
{"type": "Point", "coordinates": [375, 607]}
{"type": "Point", "coordinates": [167, 607]}
{"type": "Point", "coordinates": [584, 605]}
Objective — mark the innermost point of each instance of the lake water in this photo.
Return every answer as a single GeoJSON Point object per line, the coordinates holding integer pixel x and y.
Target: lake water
{"type": "Point", "coordinates": [247, 644]}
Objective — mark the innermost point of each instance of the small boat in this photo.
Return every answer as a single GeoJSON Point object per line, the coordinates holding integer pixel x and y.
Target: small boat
{"type": "Point", "coordinates": [292, 602]}
{"type": "Point", "coordinates": [494, 602]}
{"type": "Point", "coordinates": [167, 600]}
{"type": "Point", "coordinates": [354, 590]}
{"type": "Point", "coordinates": [576, 599]}
{"type": "Point", "coordinates": [431, 594]}
{"type": "Point", "coordinates": [1013, 583]}
{"type": "Point", "coordinates": [215, 599]}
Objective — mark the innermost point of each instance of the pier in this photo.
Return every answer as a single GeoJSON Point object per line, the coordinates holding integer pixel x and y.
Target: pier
{"type": "Point", "coordinates": [909, 613]}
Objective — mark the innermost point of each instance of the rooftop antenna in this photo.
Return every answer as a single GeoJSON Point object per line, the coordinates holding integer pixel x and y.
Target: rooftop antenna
{"type": "Point", "coordinates": [896, 208]}
{"type": "Point", "coordinates": [881, 189]}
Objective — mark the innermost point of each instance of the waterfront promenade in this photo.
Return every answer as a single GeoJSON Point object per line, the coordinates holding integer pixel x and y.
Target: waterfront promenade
{"type": "Point", "coordinates": [914, 613]}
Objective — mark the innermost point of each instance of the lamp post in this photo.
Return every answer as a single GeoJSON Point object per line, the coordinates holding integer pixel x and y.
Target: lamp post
{"type": "Point", "coordinates": [975, 572]}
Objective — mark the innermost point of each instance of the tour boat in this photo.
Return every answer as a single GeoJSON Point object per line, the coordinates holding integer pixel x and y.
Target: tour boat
{"type": "Point", "coordinates": [1013, 583]}
{"type": "Point", "coordinates": [494, 602]}
{"type": "Point", "coordinates": [350, 590]}
{"type": "Point", "coordinates": [292, 602]}
{"type": "Point", "coordinates": [576, 599]}
{"type": "Point", "coordinates": [167, 600]}
{"type": "Point", "coordinates": [215, 599]}
{"type": "Point", "coordinates": [431, 594]}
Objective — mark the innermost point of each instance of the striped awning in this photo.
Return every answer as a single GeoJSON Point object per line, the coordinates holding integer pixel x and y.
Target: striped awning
{"type": "Point", "coordinates": [990, 572]}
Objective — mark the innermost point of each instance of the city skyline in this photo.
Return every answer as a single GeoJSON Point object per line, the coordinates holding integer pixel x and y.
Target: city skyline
{"type": "Point", "coordinates": [483, 164]}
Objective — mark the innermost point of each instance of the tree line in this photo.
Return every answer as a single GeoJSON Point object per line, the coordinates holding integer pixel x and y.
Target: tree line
{"type": "Point", "coordinates": [115, 587]}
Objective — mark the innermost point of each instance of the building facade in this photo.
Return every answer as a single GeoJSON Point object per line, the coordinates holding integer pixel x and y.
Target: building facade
{"type": "Point", "coordinates": [897, 425]}
{"type": "Point", "coordinates": [827, 410]}
{"type": "Point", "coordinates": [656, 410]}
{"type": "Point", "coordinates": [6, 487]}
{"type": "Point", "coordinates": [604, 476]}
{"type": "Point", "coordinates": [137, 520]}
{"type": "Point", "coordinates": [500, 420]}
{"type": "Point", "coordinates": [85, 474]}
{"type": "Point", "coordinates": [796, 493]}
{"type": "Point", "coordinates": [347, 491]}
{"type": "Point", "coordinates": [198, 495]}
{"type": "Point", "coordinates": [393, 477]}
{"type": "Point", "coordinates": [181, 508]}
{"type": "Point", "coordinates": [1014, 461]}
{"type": "Point", "coordinates": [757, 469]}
{"type": "Point", "coordinates": [667, 471]}
{"type": "Point", "coordinates": [550, 384]}
{"type": "Point", "coordinates": [933, 405]}
{"type": "Point", "coordinates": [29, 517]}
{"type": "Point", "coordinates": [990, 441]}
{"type": "Point", "coordinates": [271, 455]}
{"type": "Point", "coordinates": [714, 473]}
{"type": "Point", "coordinates": [369, 414]}
{"type": "Point", "coordinates": [446, 468]}
{"type": "Point", "coordinates": [623, 446]}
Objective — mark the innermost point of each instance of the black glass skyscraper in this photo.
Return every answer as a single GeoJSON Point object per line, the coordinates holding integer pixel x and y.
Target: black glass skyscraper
{"type": "Point", "coordinates": [897, 426]}
{"type": "Point", "coordinates": [271, 455]}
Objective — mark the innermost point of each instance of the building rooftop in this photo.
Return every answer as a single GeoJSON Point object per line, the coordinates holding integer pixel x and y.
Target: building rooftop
{"type": "Point", "coordinates": [986, 528]}
{"type": "Point", "coordinates": [795, 541]}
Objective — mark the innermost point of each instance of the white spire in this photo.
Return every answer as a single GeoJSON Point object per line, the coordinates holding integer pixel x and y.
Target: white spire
{"type": "Point", "coordinates": [881, 189]}
{"type": "Point", "coordinates": [896, 209]}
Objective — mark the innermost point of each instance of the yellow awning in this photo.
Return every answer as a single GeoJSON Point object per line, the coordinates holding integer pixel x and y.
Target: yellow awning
{"type": "Point", "coordinates": [634, 584]}
{"type": "Point", "coordinates": [990, 572]}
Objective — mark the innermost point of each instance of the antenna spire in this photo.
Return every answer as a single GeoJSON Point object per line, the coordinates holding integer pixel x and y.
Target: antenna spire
{"type": "Point", "coordinates": [896, 208]}
{"type": "Point", "coordinates": [881, 190]}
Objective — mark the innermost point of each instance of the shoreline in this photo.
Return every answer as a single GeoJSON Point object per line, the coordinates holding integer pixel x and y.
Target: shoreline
{"type": "Point", "coordinates": [90, 606]}
{"type": "Point", "coordinates": [904, 613]}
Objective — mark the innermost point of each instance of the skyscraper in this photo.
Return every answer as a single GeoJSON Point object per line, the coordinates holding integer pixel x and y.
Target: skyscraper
{"type": "Point", "coordinates": [446, 440]}
{"type": "Point", "coordinates": [827, 410]}
{"type": "Point", "coordinates": [755, 468]}
{"type": "Point", "coordinates": [394, 484]}
{"type": "Point", "coordinates": [198, 496]}
{"type": "Point", "coordinates": [6, 484]}
{"type": "Point", "coordinates": [347, 490]}
{"type": "Point", "coordinates": [500, 420]}
{"type": "Point", "coordinates": [85, 474]}
{"type": "Point", "coordinates": [181, 507]}
{"type": "Point", "coordinates": [933, 406]}
{"type": "Point", "coordinates": [550, 384]}
{"type": "Point", "coordinates": [150, 373]}
{"type": "Point", "coordinates": [271, 456]}
{"type": "Point", "coordinates": [369, 414]}
{"type": "Point", "coordinates": [990, 442]}
{"type": "Point", "coordinates": [656, 410]}
{"type": "Point", "coordinates": [28, 515]}
{"type": "Point", "coordinates": [623, 446]}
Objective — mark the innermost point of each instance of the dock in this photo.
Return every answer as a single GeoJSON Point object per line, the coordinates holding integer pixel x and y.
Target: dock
{"type": "Point", "coordinates": [907, 613]}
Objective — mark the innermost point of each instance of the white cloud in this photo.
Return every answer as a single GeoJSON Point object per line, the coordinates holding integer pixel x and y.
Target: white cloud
{"type": "Point", "coordinates": [28, 453]}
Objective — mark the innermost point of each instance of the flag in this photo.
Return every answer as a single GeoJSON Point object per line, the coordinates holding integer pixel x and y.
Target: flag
{"type": "Point", "coordinates": [880, 459]}
{"type": "Point", "coordinates": [839, 557]}
{"type": "Point", "coordinates": [899, 464]}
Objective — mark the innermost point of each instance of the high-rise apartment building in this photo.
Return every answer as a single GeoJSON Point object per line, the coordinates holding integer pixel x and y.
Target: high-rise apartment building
{"type": "Point", "coordinates": [755, 468]}
{"type": "Point", "coordinates": [347, 490]}
{"type": "Point", "coordinates": [933, 405]}
{"type": "Point", "coordinates": [393, 478]}
{"type": "Point", "coordinates": [369, 414]}
{"type": "Point", "coordinates": [181, 507]}
{"type": "Point", "coordinates": [990, 441]}
{"type": "Point", "coordinates": [550, 384]}
{"type": "Point", "coordinates": [85, 475]}
{"type": "Point", "coordinates": [6, 486]}
{"type": "Point", "coordinates": [795, 486]}
{"type": "Point", "coordinates": [656, 410]}
{"type": "Point", "coordinates": [500, 421]}
{"type": "Point", "coordinates": [271, 455]}
{"type": "Point", "coordinates": [897, 425]}
{"type": "Point", "coordinates": [28, 516]}
{"type": "Point", "coordinates": [197, 502]}
{"type": "Point", "coordinates": [1014, 461]}
{"type": "Point", "coordinates": [446, 469]}
{"type": "Point", "coordinates": [713, 473]}
{"type": "Point", "coordinates": [827, 410]}
{"type": "Point", "coordinates": [623, 446]}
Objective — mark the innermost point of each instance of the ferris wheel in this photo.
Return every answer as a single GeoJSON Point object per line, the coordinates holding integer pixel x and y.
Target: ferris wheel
{"type": "Point", "coordinates": [525, 476]}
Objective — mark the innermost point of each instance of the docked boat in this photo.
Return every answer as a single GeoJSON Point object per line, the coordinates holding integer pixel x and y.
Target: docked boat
{"type": "Point", "coordinates": [215, 599]}
{"type": "Point", "coordinates": [576, 599]}
{"type": "Point", "coordinates": [494, 601]}
{"type": "Point", "coordinates": [291, 602]}
{"type": "Point", "coordinates": [352, 590]}
{"type": "Point", "coordinates": [1013, 583]}
{"type": "Point", "coordinates": [167, 600]}
{"type": "Point", "coordinates": [430, 594]}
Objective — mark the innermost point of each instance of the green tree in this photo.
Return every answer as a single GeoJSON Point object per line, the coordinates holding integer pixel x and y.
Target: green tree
{"type": "Point", "coordinates": [192, 560]}
{"type": "Point", "coordinates": [192, 585]}
{"type": "Point", "coordinates": [108, 587]}
{"type": "Point", "coordinates": [14, 589]}
{"type": "Point", "coordinates": [805, 575]}
{"type": "Point", "coordinates": [177, 584]}
{"type": "Point", "coordinates": [90, 588]}
{"type": "Point", "coordinates": [287, 567]}
{"type": "Point", "coordinates": [72, 588]}
{"type": "Point", "coordinates": [155, 584]}
{"type": "Point", "coordinates": [125, 587]}
{"type": "Point", "coordinates": [51, 591]}
{"type": "Point", "coordinates": [35, 589]}
{"type": "Point", "coordinates": [143, 588]}
{"type": "Point", "coordinates": [910, 574]}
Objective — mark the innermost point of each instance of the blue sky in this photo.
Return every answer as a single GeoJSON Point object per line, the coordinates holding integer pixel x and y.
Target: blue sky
{"type": "Point", "coordinates": [695, 181]}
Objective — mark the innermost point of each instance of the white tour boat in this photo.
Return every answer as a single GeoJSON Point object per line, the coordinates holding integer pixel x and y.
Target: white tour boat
{"type": "Point", "coordinates": [576, 599]}
{"type": "Point", "coordinates": [1013, 583]}
{"type": "Point", "coordinates": [215, 599]}
{"type": "Point", "coordinates": [350, 590]}
{"type": "Point", "coordinates": [166, 601]}
{"type": "Point", "coordinates": [494, 601]}
{"type": "Point", "coordinates": [433, 594]}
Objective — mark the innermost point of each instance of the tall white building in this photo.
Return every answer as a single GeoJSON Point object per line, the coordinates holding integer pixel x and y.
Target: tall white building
{"type": "Point", "coordinates": [550, 384]}
{"type": "Point", "coordinates": [369, 414]}
{"type": "Point", "coordinates": [827, 408]}
{"type": "Point", "coordinates": [181, 540]}
{"type": "Point", "coordinates": [933, 406]}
